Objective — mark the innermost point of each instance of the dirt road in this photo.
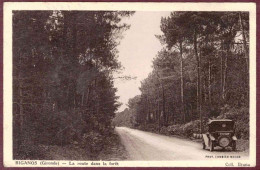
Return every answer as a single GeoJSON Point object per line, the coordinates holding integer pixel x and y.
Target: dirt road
{"type": "Point", "coordinates": [142, 145]}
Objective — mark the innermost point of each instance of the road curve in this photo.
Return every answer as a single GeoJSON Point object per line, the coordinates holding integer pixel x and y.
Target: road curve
{"type": "Point", "coordinates": [142, 145]}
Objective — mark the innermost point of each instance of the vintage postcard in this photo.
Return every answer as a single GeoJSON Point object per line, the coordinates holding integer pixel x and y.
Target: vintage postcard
{"type": "Point", "coordinates": [129, 84]}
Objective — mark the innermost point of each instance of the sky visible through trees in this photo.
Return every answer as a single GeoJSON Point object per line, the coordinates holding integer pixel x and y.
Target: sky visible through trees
{"type": "Point", "coordinates": [72, 70]}
{"type": "Point", "coordinates": [137, 50]}
{"type": "Point", "coordinates": [200, 72]}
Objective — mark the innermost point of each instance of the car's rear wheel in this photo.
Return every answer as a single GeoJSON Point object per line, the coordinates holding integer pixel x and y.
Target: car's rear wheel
{"type": "Point", "coordinates": [234, 145]}
{"type": "Point", "coordinates": [211, 147]}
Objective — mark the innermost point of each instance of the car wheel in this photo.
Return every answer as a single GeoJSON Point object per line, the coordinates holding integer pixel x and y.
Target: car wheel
{"type": "Point", "coordinates": [234, 146]}
{"type": "Point", "coordinates": [211, 147]}
{"type": "Point", "coordinates": [204, 146]}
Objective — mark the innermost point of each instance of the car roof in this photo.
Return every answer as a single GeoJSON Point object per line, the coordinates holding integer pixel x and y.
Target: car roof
{"type": "Point", "coordinates": [220, 120]}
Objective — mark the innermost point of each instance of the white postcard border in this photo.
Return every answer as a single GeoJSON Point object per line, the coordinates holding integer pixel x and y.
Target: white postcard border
{"type": "Point", "coordinates": [7, 74]}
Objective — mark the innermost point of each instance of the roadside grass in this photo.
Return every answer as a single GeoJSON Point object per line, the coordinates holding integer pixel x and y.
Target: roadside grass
{"type": "Point", "coordinates": [113, 149]}
{"type": "Point", "coordinates": [67, 152]}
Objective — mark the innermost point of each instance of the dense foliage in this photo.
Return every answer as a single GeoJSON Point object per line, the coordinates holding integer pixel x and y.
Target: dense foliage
{"type": "Point", "coordinates": [202, 69]}
{"type": "Point", "coordinates": [63, 89]}
{"type": "Point", "coordinates": [124, 118]}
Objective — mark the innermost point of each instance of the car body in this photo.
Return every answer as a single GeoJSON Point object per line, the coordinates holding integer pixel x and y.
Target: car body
{"type": "Point", "coordinates": [221, 132]}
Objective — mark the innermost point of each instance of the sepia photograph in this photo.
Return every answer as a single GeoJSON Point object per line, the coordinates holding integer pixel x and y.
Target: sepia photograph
{"type": "Point", "coordinates": [115, 86]}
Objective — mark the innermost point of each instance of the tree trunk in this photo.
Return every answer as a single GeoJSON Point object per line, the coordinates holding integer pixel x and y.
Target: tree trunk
{"type": "Point", "coordinates": [150, 111]}
{"type": "Point", "coordinates": [244, 42]}
{"type": "Point", "coordinates": [198, 79]}
{"type": "Point", "coordinates": [164, 113]}
{"type": "Point", "coordinates": [155, 111]}
{"type": "Point", "coordinates": [209, 82]}
{"type": "Point", "coordinates": [221, 76]}
{"type": "Point", "coordinates": [168, 111]}
{"type": "Point", "coordinates": [205, 88]}
{"type": "Point", "coordinates": [145, 111]}
{"type": "Point", "coordinates": [225, 76]}
{"type": "Point", "coordinates": [159, 113]}
{"type": "Point", "coordinates": [182, 83]}
{"type": "Point", "coordinates": [246, 55]}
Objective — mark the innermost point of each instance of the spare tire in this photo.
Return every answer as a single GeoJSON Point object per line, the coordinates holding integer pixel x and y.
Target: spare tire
{"type": "Point", "coordinates": [224, 141]}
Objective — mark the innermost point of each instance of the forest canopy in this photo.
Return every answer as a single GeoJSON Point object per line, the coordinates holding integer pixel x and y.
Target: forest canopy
{"type": "Point", "coordinates": [201, 73]}
{"type": "Point", "coordinates": [63, 89]}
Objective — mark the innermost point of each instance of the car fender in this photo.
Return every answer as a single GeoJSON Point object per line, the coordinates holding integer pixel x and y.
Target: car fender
{"type": "Point", "coordinates": [206, 139]}
{"type": "Point", "coordinates": [212, 138]}
{"type": "Point", "coordinates": [234, 138]}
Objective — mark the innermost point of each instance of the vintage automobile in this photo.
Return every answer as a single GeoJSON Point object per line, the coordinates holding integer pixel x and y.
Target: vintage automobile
{"type": "Point", "coordinates": [220, 133]}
